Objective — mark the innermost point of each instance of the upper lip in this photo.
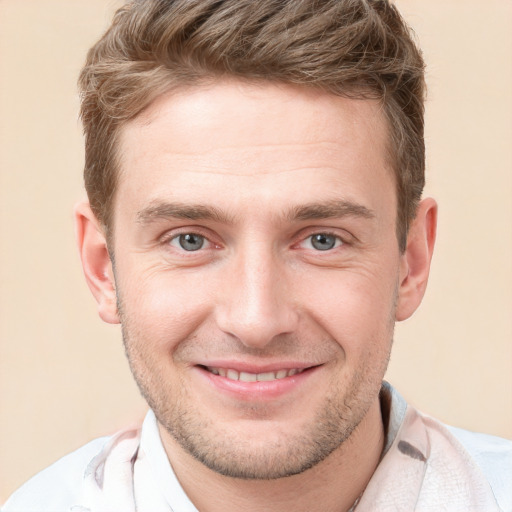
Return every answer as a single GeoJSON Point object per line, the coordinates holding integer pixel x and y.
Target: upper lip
{"type": "Point", "coordinates": [248, 367]}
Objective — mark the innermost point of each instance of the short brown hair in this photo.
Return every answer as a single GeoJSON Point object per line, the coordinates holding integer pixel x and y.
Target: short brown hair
{"type": "Point", "coordinates": [351, 48]}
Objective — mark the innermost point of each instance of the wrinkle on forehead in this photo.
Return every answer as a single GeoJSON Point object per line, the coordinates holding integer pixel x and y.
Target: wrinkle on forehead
{"type": "Point", "coordinates": [250, 160]}
{"type": "Point", "coordinates": [324, 145]}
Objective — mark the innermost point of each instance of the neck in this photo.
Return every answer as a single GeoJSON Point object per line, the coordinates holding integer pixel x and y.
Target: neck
{"type": "Point", "coordinates": [333, 485]}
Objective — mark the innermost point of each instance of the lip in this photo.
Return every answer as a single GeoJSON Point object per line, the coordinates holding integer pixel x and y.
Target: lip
{"type": "Point", "coordinates": [250, 367]}
{"type": "Point", "coordinates": [258, 390]}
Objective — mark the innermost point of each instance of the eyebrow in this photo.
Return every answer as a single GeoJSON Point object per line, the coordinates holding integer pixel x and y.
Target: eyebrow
{"type": "Point", "coordinates": [311, 211]}
{"type": "Point", "coordinates": [181, 211]}
{"type": "Point", "coordinates": [330, 209]}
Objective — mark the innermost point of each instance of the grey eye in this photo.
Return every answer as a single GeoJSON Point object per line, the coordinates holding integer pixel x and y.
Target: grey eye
{"type": "Point", "coordinates": [323, 241]}
{"type": "Point", "coordinates": [191, 241]}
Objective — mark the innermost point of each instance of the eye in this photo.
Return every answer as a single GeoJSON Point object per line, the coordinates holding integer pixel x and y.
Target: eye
{"type": "Point", "coordinates": [324, 241]}
{"type": "Point", "coordinates": [189, 241]}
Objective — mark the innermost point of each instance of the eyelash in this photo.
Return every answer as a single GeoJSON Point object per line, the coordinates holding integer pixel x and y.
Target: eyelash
{"type": "Point", "coordinates": [338, 241]}
{"type": "Point", "coordinates": [173, 240]}
{"type": "Point", "coordinates": [177, 239]}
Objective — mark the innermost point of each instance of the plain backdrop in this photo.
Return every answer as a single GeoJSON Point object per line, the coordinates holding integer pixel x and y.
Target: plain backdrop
{"type": "Point", "coordinates": [63, 375]}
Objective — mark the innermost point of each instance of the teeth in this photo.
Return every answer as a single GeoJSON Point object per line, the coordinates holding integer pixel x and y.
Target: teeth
{"type": "Point", "coordinates": [263, 377]}
{"type": "Point", "coordinates": [246, 377]}
{"type": "Point", "coordinates": [253, 377]}
{"type": "Point", "coordinates": [232, 374]}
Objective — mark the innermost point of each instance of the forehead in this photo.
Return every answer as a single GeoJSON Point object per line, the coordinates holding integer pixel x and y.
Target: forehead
{"type": "Point", "coordinates": [261, 140]}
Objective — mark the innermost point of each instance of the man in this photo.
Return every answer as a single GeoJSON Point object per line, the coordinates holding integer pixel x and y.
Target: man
{"type": "Point", "coordinates": [254, 173]}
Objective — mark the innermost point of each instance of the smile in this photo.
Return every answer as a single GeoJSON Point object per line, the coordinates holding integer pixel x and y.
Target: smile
{"type": "Point", "coordinates": [253, 377]}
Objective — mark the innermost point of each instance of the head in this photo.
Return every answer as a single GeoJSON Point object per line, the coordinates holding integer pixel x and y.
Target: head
{"type": "Point", "coordinates": [255, 169]}
{"type": "Point", "coordinates": [349, 48]}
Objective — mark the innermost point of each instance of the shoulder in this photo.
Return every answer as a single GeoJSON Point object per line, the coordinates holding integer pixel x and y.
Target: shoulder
{"type": "Point", "coordinates": [490, 454]}
{"type": "Point", "coordinates": [493, 455]}
{"type": "Point", "coordinates": [56, 488]}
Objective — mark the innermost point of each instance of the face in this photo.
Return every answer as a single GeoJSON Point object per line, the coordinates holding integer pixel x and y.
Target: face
{"type": "Point", "coordinates": [257, 271]}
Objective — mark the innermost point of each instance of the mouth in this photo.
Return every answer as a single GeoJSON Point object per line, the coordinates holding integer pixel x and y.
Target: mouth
{"type": "Point", "coordinates": [249, 383]}
{"type": "Point", "coordinates": [236, 375]}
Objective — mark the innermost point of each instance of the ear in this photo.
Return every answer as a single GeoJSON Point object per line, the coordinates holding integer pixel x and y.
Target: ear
{"type": "Point", "coordinates": [96, 262]}
{"type": "Point", "coordinates": [415, 262]}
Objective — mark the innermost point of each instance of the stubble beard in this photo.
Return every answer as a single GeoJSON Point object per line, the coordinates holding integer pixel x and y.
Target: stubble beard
{"type": "Point", "coordinates": [283, 456]}
{"type": "Point", "coordinates": [230, 453]}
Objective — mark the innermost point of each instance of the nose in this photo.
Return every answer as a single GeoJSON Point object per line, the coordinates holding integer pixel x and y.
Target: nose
{"type": "Point", "coordinates": [257, 304]}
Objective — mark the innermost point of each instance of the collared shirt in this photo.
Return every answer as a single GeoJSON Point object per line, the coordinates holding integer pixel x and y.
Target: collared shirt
{"type": "Point", "coordinates": [425, 466]}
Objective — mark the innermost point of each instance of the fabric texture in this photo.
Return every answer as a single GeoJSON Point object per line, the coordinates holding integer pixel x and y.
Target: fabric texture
{"type": "Point", "coordinates": [425, 466]}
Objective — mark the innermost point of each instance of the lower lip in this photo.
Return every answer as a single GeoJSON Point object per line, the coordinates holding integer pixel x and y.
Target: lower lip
{"type": "Point", "coordinates": [260, 391]}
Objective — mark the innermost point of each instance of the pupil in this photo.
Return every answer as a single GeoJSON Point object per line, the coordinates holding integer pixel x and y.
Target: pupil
{"type": "Point", "coordinates": [323, 242]}
{"type": "Point", "coordinates": [191, 242]}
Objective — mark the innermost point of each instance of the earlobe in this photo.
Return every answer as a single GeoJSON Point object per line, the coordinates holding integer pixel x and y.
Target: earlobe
{"type": "Point", "coordinates": [96, 262]}
{"type": "Point", "coordinates": [415, 262]}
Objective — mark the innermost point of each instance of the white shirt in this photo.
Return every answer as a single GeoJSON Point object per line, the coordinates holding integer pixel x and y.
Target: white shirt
{"type": "Point", "coordinates": [426, 466]}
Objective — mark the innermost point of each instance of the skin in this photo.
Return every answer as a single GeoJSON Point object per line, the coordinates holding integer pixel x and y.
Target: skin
{"type": "Point", "coordinates": [259, 295]}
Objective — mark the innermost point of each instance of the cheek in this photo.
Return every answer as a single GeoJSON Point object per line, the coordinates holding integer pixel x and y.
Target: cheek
{"type": "Point", "coordinates": [161, 309]}
{"type": "Point", "coordinates": [360, 307]}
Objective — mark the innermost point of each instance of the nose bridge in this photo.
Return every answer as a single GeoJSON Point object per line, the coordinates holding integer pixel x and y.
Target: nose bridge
{"type": "Point", "coordinates": [257, 306]}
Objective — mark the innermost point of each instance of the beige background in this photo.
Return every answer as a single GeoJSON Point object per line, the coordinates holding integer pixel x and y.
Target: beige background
{"type": "Point", "coordinates": [63, 378]}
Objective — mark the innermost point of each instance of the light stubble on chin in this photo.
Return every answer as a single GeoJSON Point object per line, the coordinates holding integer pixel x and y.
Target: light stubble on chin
{"type": "Point", "coordinates": [232, 454]}
{"type": "Point", "coordinates": [240, 458]}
